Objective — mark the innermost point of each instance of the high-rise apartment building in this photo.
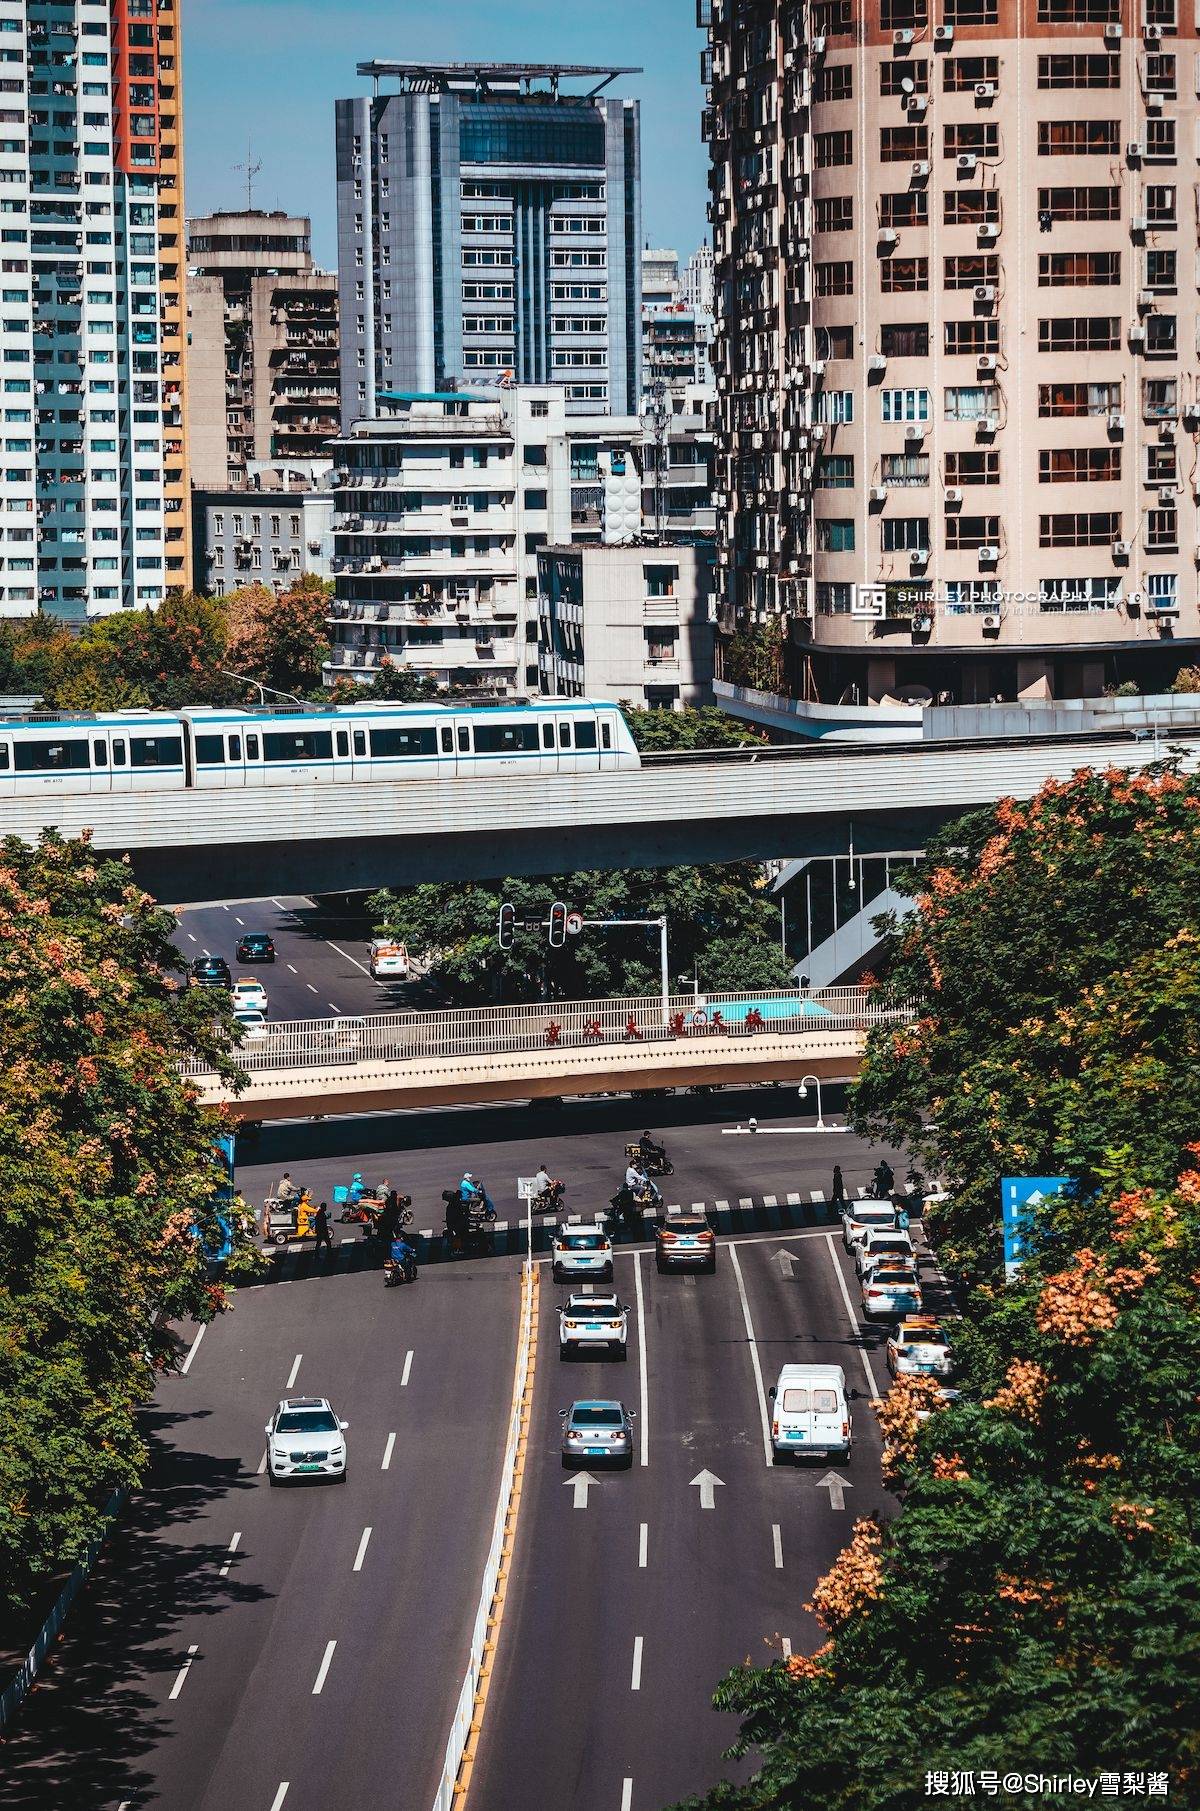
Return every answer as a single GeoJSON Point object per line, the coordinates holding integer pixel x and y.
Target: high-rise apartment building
{"type": "Point", "coordinates": [489, 229]}
{"type": "Point", "coordinates": [93, 484]}
{"type": "Point", "coordinates": [957, 286]}
{"type": "Point", "coordinates": [263, 375]}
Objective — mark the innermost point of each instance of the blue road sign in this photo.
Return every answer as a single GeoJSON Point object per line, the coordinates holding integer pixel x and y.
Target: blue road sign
{"type": "Point", "coordinates": [1018, 1195]}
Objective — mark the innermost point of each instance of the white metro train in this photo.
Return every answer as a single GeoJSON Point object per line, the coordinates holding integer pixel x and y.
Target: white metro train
{"type": "Point", "coordinates": [140, 751]}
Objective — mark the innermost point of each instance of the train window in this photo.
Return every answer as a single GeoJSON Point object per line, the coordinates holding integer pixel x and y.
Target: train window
{"type": "Point", "coordinates": [306, 745]}
{"type": "Point", "coordinates": [360, 741]}
{"type": "Point", "coordinates": [505, 738]}
{"type": "Point", "coordinates": [564, 735]}
{"type": "Point", "coordinates": [386, 743]}
{"type": "Point", "coordinates": [343, 742]}
{"type": "Point", "coordinates": [447, 740]}
{"type": "Point", "coordinates": [251, 748]}
{"type": "Point", "coordinates": [99, 752]}
{"type": "Point", "coordinates": [52, 757]}
{"type": "Point", "coordinates": [547, 735]}
{"type": "Point", "coordinates": [585, 735]}
{"type": "Point", "coordinates": [118, 751]}
{"type": "Point", "coordinates": [155, 751]}
{"type": "Point", "coordinates": [606, 735]}
{"type": "Point", "coordinates": [209, 751]}
{"type": "Point", "coordinates": [5, 757]}
{"type": "Point", "coordinates": [464, 739]}
{"type": "Point", "coordinates": [235, 748]}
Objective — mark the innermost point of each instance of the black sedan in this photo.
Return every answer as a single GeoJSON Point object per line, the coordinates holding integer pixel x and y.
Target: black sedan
{"type": "Point", "coordinates": [256, 946]}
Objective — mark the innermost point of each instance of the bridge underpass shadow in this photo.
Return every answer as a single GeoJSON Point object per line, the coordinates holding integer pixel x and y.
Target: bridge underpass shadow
{"type": "Point", "coordinates": [86, 1729]}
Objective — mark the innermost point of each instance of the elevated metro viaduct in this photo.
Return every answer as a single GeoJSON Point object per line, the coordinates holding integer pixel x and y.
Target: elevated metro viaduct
{"type": "Point", "coordinates": [191, 847]}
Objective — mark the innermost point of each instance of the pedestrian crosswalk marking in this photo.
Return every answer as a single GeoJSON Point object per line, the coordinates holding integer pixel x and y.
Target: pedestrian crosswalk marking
{"type": "Point", "coordinates": [770, 1201]}
{"type": "Point", "coordinates": [793, 1201]}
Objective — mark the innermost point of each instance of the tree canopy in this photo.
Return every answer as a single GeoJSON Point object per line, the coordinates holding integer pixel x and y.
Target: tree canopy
{"type": "Point", "coordinates": [106, 1166]}
{"type": "Point", "coordinates": [703, 727]}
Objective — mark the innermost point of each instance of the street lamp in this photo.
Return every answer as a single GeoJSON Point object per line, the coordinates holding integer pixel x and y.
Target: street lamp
{"type": "Point", "coordinates": [803, 1092]}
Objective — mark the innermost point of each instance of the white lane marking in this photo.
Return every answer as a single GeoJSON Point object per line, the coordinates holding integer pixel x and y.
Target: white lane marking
{"type": "Point", "coordinates": [777, 1544]}
{"type": "Point", "coordinates": [231, 1550]}
{"type": "Point", "coordinates": [643, 1386]}
{"type": "Point", "coordinates": [324, 1668]}
{"type": "Point", "coordinates": [310, 987]}
{"type": "Point", "coordinates": [282, 907]}
{"type": "Point", "coordinates": [240, 921]}
{"type": "Point", "coordinates": [626, 1794]}
{"type": "Point", "coordinates": [786, 1644]}
{"type": "Point", "coordinates": [290, 968]}
{"type": "Point", "coordinates": [349, 958]}
{"type": "Point", "coordinates": [851, 1316]}
{"type": "Point", "coordinates": [387, 1453]}
{"type": "Point", "coordinates": [186, 1366]}
{"type": "Point", "coordinates": [262, 1464]}
{"type": "Point", "coordinates": [224, 908]}
{"type": "Point", "coordinates": [644, 1545]}
{"type": "Point", "coordinates": [279, 1797]}
{"type": "Point", "coordinates": [758, 1378]}
{"type": "Point", "coordinates": [294, 1370]}
{"type": "Point", "coordinates": [635, 1683]}
{"type": "Point", "coordinates": [748, 1238]}
{"type": "Point", "coordinates": [407, 1371]}
{"type": "Point", "coordinates": [182, 1674]}
{"type": "Point", "coordinates": [332, 1007]}
{"type": "Point", "coordinates": [191, 939]}
{"type": "Point", "coordinates": [362, 1548]}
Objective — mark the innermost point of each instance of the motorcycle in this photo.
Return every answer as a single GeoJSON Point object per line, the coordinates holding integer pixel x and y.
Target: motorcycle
{"type": "Point", "coordinates": [401, 1266]}
{"type": "Point", "coordinates": [651, 1158]}
{"type": "Point", "coordinates": [629, 1205]}
{"type": "Point", "coordinates": [550, 1199]}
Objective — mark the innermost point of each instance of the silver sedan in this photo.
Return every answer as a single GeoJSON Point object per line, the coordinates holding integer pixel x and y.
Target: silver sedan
{"type": "Point", "coordinates": [597, 1432]}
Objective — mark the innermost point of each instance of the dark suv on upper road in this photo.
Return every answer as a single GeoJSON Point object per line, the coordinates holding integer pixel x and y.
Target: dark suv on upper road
{"type": "Point", "coordinates": [210, 971]}
{"type": "Point", "coordinates": [256, 946]}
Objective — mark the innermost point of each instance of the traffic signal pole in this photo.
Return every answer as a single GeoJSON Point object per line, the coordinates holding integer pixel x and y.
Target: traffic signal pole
{"type": "Point", "coordinates": [562, 923]}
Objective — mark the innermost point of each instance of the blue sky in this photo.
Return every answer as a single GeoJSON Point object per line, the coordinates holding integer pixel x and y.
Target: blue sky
{"type": "Point", "coordinates": [270, 70]}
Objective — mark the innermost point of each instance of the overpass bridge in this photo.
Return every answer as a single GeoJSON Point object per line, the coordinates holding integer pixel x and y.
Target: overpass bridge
{"type": "Point", "coordinates": [326, 1067]}
{"type": "Point", "coordinates": [191, 847]}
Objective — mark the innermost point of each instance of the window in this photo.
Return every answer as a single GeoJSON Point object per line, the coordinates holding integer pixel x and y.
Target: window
{"type": "Point", "coordinates": [835, 406]}
{"type": "Point", "coordinates": [662, 581]}
{"type": "Point", "coordinates": [834, 82]}
{"type": "Point", "coordinates": [1160, 141]}
{"type": "Point", "coordinates": [1078, 399]}
{"type": "Point", "coordinates": [904, 471]}
{"type": "Point", "coordinates": [311, 745]}
{"type": "Point", "coordinates": [397, 743]}
{"type": "Point", "coordinates": [835, 214]}
{"type": "Point", "coordinates": [52, 756]}
{"type": "Point", "coordinates": [1069, 71]}
{"type": "Point", "coordinates": [971, 207]}
{"type": "Point", "coordinates": [833, 18]}
{"type": "Point", "coordinates": [1162, 531]}
{"type": "Point", "coordinates": [1079, 465]}
{"type": "Point", "coordinates": [908, 208]}
{"type": "Point", "coordinates": [1162, 465]}
{"type": "Point", "coordinates": [904, 276]}
{"type": "Point", "coordinates": [901, 144]}
{"type": "Point", "coordinates": [1161, 335]}
{"type": "Point", "coordinates": [1080, 333]}
{"type": "Point", "coordinates": [966, 534]}
{"type": "Point", "coordinates": [833, 342]}
{"type": "Point", "coordinates": [904, 534]}
{"type": "Point", "coordinates": [1100, 528]}
{"type": "Point", "coordinates": [1160, 204]}
{"type": "Point", "coordinates": [155, 751]}
{"type": "Point", "coordinates": [979, 334]}
{"type": "Point", "coordinates": [1078, 137]}
{"type": "Point", "coordinates": [1161, 590]}
{"type": "Point", "coordinates": [969, 271]}
{"type": "Point", "coordinates": [1161, 271]}
{"type": "Point", "coordinates": [535, 499]}
{"type": "Point", "coordinates": [1160, 398]}
{"type": "Point", "coordinates": [1158, 73]}
{"type": "Point", "coordinates": [835, 279]}
{"type": "Point", "coordinates": [504, 739]}
{"type": "Point", "coordinates": [1079, 270]}
{"type": "Point", "coordinates": [1076, 594]}
{"type": "Point", "coordinates": [1080, 203]}
{"type": "Point", "coordinates": [962, 74]}
{"type": "Point", "coordinates": [969, 597]}
{"type": "Point", "coordinates": [835, 472]}
{"type": "Point", "coordinates": [834, 148]}
{"type": "Point", "coordinates": [970, 12]}
{"type": "Point", "coordinates": [1079, 12]}
{"type": "Point", "coordinates": [904, 339]}
{"type": "Point", "coordinates": [904, 405]}
{"type": "Point", "coordinates": [972, 468]}
{"type": "Point", "coordinates": [897, 15]}
{"type": "Point", "coordinates": [835, 534]}
{"type": "Point", "coordinates": [893, 76]}
{"type": "Point", "coordinates": [981, 139]}
{"type": "Point", "coordinates": [834, 599]}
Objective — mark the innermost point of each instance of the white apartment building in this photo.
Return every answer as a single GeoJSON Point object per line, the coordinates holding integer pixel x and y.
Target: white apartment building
{"type": "Point", "coordinates": [441, 505]}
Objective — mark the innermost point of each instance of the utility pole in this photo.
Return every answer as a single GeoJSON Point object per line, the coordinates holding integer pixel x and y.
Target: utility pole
{"type": "Point", "coordinates": [251, 170]}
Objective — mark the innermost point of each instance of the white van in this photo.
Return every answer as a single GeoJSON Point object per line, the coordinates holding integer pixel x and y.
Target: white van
{"type": "Point", "coordinates": [810, 1412]}
{"type": "Point", "coordinates": [389, 961]}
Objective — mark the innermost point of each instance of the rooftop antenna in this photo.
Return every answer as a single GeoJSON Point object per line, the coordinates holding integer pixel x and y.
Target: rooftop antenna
{"type": "Point", "coordinates": [251, 170]}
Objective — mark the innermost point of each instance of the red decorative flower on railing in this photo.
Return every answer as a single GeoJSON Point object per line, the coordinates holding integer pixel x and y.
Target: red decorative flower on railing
{"type": "Point", "coordinates": [553, 1033]}
{"type": "Point", "coordinates": [754, 1019]}
{"type": "Point", "coordinates": [631, 1027]}
{"type": "Point", "coordinates": [677, 1024]}
{"type": "Point", "coordinates": [593, 1029]}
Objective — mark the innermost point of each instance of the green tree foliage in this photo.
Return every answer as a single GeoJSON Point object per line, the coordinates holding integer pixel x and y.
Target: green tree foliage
{"type": "Point", "coordinates": [721, 924]}
{"type": "Point", "coordinates": [163, 658]}
{"type": "Point", "coordinates": [657, 731]}
{"type": "Point", "coordinates": [282, 640]}
{"type": "Point", "coordinates": [1053, 950]}
{"type": "Point", "coordinates": [106, 1163]}
{"type": "Point", "coordinates": [755, 657]}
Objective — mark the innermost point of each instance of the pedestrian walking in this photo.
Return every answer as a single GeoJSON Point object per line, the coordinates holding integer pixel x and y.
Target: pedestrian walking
{"type": "Point", "coordinates": [321, 1228]}
{"type": "Point", "coordinates": [838, 1194]}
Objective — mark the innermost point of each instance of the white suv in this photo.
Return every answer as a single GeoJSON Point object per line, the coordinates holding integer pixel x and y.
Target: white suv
{"type": "Point", "coordinates": [583, 1252]}
{"type": "Point", "coordinates": [588, 1323]}
{"type": "Point", "coordinates": [305, 1439]}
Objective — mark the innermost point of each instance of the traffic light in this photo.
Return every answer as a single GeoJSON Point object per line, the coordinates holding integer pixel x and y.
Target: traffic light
{"type": "Point", "coordinates": [558, 925]}
{"type": "Point", "coordinates": [506, 926]}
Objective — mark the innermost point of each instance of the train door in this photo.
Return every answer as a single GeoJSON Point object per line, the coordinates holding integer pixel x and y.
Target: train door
{"type": "Point", "coordinates": [447, 765]}
{"type": "Point", "coordinates": [606, 729]}
{"type": "Point", "coordinates": [549, 735]}
{"type": "Point", "coordinates": [123, 777]}
{"type": "Point", "coordinates": [253, 771]}
{"type": "Point", "coordinates": [464, 747]}
{"type": "Point", "coordinates": [343, 769]}
{"type": "Point", "coordinates": [570, 758]}
{"type": "Point", "coordinates": [235, 757]}
{"type": "Point", "coordinates": [360, 760]}
{"type": "Point", "coordinates": [101, 766]}
{"type": "Point", "coordinates": [8, 779]}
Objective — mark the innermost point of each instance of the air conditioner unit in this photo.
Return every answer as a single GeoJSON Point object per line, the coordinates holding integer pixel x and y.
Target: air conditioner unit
{"type": "Point", "coordinates": [988, 234]}
{"type": "Point", "coordinates": [817, 367]}
{"type": "Point", "coordinates": [817, 432]}
{"type": "Point", "coordinates": [918, 556]}
{"type": "Point", "coordinates": [888, 236]}
{"type": "Point", "coordinates": [953, 494]}
{"type": "Point", "coordinates": [1166, 494]}
{"type": "Point", "coordinates": [987, 362]}
{"type": "Point", "coordinates": [1120, 550]}
{"type": "Point", "coordinates": [1135, 150]}
{"type": "Point", "coordinates": [879, 493]}
{"type": "Point", "coordinates": [1112, 31]}
{"type": "Point", "coordinates": [1139, 224]}
{"type": "Point", "coordinates": [920, 172]}
{"type": "Point", "coordinates": [988, 556]}
{"type": "Point", "coordinates": [1166, 430]}
{"type": "Point", "coordinates": [921, 625]}
{"type": "Point", "coordinates": [1116, 422]}
{"type": "Point", "coordinates": [1145, 298]}
{"type": "Point", "coordinates": [1191, 414]}
{"type": "Point", "coordinates": [914, 431]}
{"type": "Point", "coordinates": [987, 424]}
{"type": "Point", "coordinates": [877, 363]}
{"type": "Point", "coordinates": [818, 46]}
{"type": "Point", "coordinates": [985, 91]}
{"type": "Point", "coordinates": [917, 103]}
{"type": "Point", "coordinates": [1153, 103]}
{"type": "Point", "coordinates": [985, 292]}
{"type": "Point", "coordinates": [1137, 334]}
{"type": "Point", "coordinates": [1153, 34]}
{"type": "Point", "coordinates": [965, 163]}
{"type": "Point", "coordinates": [943, 35]}
{"type": "Point", "coordinates": [902, 39]}
{"type": "Point", "coordinates": [991, 620]}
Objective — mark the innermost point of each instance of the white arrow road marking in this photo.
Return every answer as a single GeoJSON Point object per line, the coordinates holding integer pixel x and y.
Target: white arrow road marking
{"type": "Point", "coordinates": [707, 1480]}
{"type": "Point", "coordinates": [362, 1548]}
{"type": "Point", "coordinates": [182, 1674]}
{"type": "Point", "coordinates": [785, 1261]}
{"type": "Point", "coordinates": [580, 1483]}
{"type": "Point", "coordinates": [232, 1549]}
{"type": "Point", "coordinates": [836, 1487]}
{"type": "Point", "coordinates": [635, 1683]}
{"type": "Point", "coordinates": [323, 1669]}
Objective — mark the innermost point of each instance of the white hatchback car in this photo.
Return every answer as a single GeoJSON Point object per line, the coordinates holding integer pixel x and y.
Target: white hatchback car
{"type": "Point", "coordinates": [252, 1022]}
{"type": "Point", "coordinates": [593, 1323]}
{"type": "Point", "coordinates": [583, 1252]}
{"type": "Point", "coordinates": [305, 1439]}
{"type": "Point", "coordinates": [249, 994]}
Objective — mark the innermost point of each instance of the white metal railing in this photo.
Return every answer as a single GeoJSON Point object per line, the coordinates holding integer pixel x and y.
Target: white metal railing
{"type": "Point", "coordinates": [464, 1710]}
{"type": "Point", "coordinates": [538, 1025]}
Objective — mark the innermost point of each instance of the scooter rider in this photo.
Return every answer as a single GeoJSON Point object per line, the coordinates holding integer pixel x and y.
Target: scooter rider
{"type": "Point", "coordinates": [651, 1152]}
